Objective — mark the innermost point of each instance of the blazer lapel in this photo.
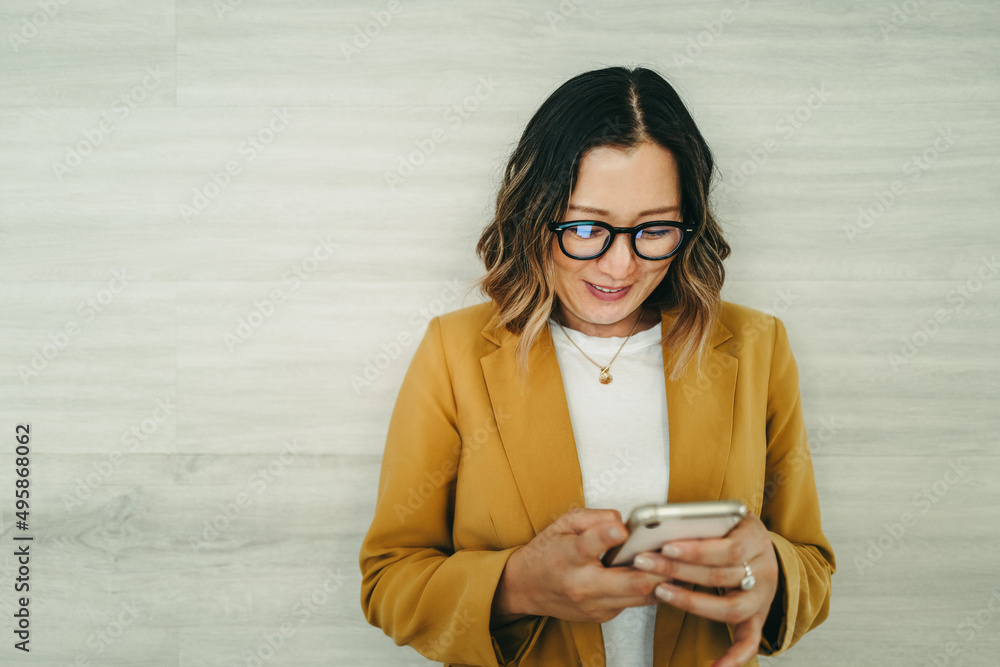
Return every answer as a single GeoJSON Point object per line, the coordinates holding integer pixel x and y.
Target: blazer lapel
{"type": "Point", "coordinates": [538, 439]}
{"type": "Point", "coordinates": [541, 450]}
{"type": "Point", "coordinates": [700, 416]}
{"type": "Point", "coordinates": [539, 443]}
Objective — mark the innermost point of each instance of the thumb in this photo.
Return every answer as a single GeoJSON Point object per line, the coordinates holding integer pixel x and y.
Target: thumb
{"type": "Point", "coordinates": [596, 531]}
{"type": "Point", "coordinates": [577, 521]}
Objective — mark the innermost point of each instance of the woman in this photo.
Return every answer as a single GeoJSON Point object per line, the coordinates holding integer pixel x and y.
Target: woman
{"type": "Point", "coordinates": [604, 373]}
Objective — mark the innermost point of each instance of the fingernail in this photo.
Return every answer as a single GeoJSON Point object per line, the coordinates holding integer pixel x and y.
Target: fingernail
{"type": "Point", "coordinates": [616, 533]}
{"type": "Point", "coordinates": [643, 562]}
{"type": "Point", "coordinates": [670, 551]}
{"type": "Point", "coordinates": [664, 594]}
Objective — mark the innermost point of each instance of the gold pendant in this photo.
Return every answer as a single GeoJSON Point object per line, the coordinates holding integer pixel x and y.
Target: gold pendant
{"type": "Point", "coordinates": [605, 376]}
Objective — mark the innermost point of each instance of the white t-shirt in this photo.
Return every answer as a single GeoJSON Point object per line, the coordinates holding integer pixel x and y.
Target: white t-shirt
{"type": "Point", "coordinates": [622, 443]}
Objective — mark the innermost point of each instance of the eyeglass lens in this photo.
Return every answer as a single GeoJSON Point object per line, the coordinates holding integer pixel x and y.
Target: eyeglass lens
{"type": "Point", "coordinates": [590, 240]}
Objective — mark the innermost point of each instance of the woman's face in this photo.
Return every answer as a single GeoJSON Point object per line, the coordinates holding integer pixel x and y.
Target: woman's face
{"type": "Point", "coordinates": [624, 188]}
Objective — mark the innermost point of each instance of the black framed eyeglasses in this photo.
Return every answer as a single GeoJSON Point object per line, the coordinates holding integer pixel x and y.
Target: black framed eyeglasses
{"type": "Point", "coordinates": [589, 239]}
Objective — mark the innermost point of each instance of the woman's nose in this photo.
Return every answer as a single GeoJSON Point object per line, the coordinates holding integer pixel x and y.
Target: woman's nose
{"type": "Point", "coordinates": [617, 261]}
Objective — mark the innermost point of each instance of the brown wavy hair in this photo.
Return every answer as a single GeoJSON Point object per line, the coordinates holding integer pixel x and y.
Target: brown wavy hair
{"type": "Point", "coordinates": [621, 108]}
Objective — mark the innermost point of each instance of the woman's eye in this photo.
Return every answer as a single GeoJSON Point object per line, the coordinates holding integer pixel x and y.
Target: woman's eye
{"type": "Point", "coordinates": [587, 231]}
{"type": "Point", "coordinates": [657, 232]}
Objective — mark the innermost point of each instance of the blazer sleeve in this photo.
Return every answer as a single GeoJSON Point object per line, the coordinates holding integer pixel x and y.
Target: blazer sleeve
{"type": "Point", "coordinates": [415, 586]}
{"type": "Point", "coordinates": [791, 511]}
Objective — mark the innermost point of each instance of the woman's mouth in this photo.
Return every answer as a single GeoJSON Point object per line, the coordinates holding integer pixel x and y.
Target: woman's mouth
{"type": "Point", "coordinates": [607, 293]}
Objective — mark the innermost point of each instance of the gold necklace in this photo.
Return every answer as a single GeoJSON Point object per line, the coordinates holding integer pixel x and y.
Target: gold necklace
{"type": "Point", "coordinates": [605, 376]}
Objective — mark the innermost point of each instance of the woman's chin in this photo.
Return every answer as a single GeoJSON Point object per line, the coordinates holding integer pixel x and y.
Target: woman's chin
{"type": "Point", "coordinates": [606, 314]}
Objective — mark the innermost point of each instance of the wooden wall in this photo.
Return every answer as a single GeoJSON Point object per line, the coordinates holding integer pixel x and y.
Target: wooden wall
{"type": "Point", "coordinates": [214, 214]}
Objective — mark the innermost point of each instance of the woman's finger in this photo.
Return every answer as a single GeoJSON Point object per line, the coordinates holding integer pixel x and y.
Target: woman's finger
{"type": "Point", "coordinates": [624, 587]}
{"type": "Point", "coordinates": [747, 541]}
{"type": "Point", "coordinates": [746, 640]}
{"type": "Point", "coordinates": [597, 539]}
{"type": "Point", "coordinates": [578, 520]}
{"type": "Point", "coordinates": [733, 607]}
{"type": "Point", "coordinates": [587, 531]}
{"type": "Point", "coordinates": [708, 576]}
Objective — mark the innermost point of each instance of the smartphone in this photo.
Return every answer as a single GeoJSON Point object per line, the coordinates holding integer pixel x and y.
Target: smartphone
{"type": "Point", "coordinates": [652, 526]}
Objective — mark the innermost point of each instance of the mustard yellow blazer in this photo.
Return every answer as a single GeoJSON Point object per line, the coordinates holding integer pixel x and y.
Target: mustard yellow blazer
{"type": "Point", "coordinates": [474, 468]}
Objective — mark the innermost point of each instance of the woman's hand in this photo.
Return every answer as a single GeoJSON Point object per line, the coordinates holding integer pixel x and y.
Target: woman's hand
{"type": "Point", "coordinates": [719, 563]}
{"type": "Point", "coordinates": [560, 574]}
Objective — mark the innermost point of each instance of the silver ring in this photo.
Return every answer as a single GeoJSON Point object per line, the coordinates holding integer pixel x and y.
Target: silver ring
{"type": "Point", "coordinates": [749, 580]}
